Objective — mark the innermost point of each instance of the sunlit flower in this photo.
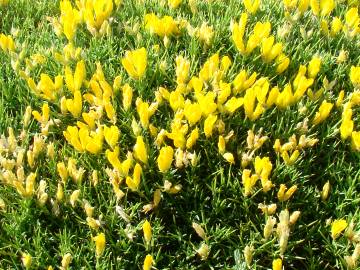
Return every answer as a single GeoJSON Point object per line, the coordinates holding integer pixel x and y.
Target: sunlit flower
{"type": "Point", "coordinates": [337, 227]}
{"type": "Point", "coordinates": [147, 231]}
{"type": "Point", "coordinates": [100, 242]}
{"type": "Point", "coordinates": [165, 158]}
{"type": "Point", "coordinates": [148, 262]}
{"type": "Point", "coordinates": [26, 260]}
{"type": "Point", "coordinates": [135, 62]}
{"type": "Point", "coordinates": [140, 151]}
{"type": "Point", "coordinates": [252, 5]}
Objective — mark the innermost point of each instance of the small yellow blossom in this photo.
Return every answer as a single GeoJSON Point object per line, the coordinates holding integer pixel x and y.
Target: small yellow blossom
{"type": "Point", "coordinates": [323, 112]}
{"type": "Point", "coordinates": [325, 191]}
{"type": "Point", "coordinates": [111, 135]}
{"type": "Point", "coordinates": [163, 27]}
{"type": "Point", "coordinates": [148, 262]}
{"type": "Point", "coordinates": [140, 151]}
{"type": "Point", "coordinates": [127, 94]}
{"type": "Point", "coordinates": [277, 264]}
{"type": "Point", "coordinates": [165, 158]}
{"type": "Point", "coordinates": [252, 5]}
{"type": "Point", "coordinates": [135, 62]}
{"type": "Point", "coordinates": [229, 157]}
{"type": "Point", "coordinates": [285, 194]}
{"type": "Point", "coordinates": [100, 243]}
{"type": "Point", "coordinates": [26, 260]}
{"type": "Point", "coordinates": [74, 197]}
{"type": "Point", "coordinates": [194, 135]}
{"type": "Point", "coordinates": [203, 251]}
{"type": "Point", "coordinates": [209, 125]}
{"type": "Point", "coordinates": [66, 260]}
{"type": "Point", "coordinates": [147, 231]}
{"type": "Point", "coordinates": [355, 76]}
{"type": "Point", "coordinates": [248, 254]}
{"type": "Point", "coordinates": [337, 227]}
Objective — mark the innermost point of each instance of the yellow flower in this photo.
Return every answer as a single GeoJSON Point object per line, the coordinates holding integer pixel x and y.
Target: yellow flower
{"type": "Point", "coordinates": [176, 100]}
{"type": "Point", "coordinates": [269, 50]}
{"type": "Point", "coordinates": [145, 111]}
{"type": "Point", "coordinates": [209, 125]}
{"type": "Point", "coordinates": [322, 7]}
{"type": "Point", "coordinates": [110, 111]}
{"type": "Point", "coordinates": [224, 92]}
{"type": "Point", "coordinates": [326, 7]}
{"type": "Point", "coordinates": [323, 113]}
{"type": "Point", "coordinates": [117, 83]}
{"type": "Point", "coordinates": [7, 43]}
{"type": "Point", "coordinates": [210, 68]}
{"type": "Point", "coordinates": [340, 99]}
{"type": "Point", "coordinates": [269, 227]}
{"type": "Point", "coordinates": [26, 260]}
{"type": "Point", "coordinates": [337, 227]}
{"type": "Point", "coordinates": [93, 223]}
{"type": "Point", "coordinates": [135, 62]}
{"type": "Point", "coordinates": [140, 151]}
{"type": "Point", "coordinates": [69, 19]}
{"type": "Point", "coordinates": [251, 111]}
{"type": "Point", "coordinates": [252, 5]}
{"type": "Point", "coordinates": [285, 194]}
{"type": "Point", "coordinates": [347, 124]}
{"type": "Point", "coordinates": [111, 135]}
{"type": "Point", "coordinates": [42, 118]}
{"type": "Point", "coordinates": [336, 26]}
{"type": "Point", "coordinates": [74, 106]}
{"type": "Point", "coordinates": [74, 197]}
{"type": "Point", "coordinates": [127, 94]}
{"type": "Point", "coordinates": [100, 243]}
{"type": "Point", "coordinates": [192, 112]}
{"type": "Point", "coordinates": [206, 102]}
{"type": "Point", "coordinates": [243, 82]}
{"type": "Point", "coordinates": [62, 171]}
{"type": "Point", "coordinates": [48, 88]}
{"type": "Point", "coordinates": [221, 144]}
{"type": "Point", "coordinates": [292, 159]}
{"type": "Point", "coordinates": [249, 181]}
{"type": "Point", "coordinates": [261, 31]}
{"type": "Point", "coordinates": [233, 104]}
{"type": "Point", "coordinates": [174, 3]}
{"type": "Point", "coordinates": [248, 254]}
{"type": "Point", "coordinates": [238, 33]}
{"type": "Point", "coordinates": [163, 27]}
{"type": "Point", "coordinates": [263, 169]}
{"type": "Point", "coordinates": [325, 191]}
{"type": "Point", "coordinates": [355, 140]}
{"type": "Point", "coordinates": [194, 135]}
{"type": "Point", "coordinates": [96, 13]}
{"type": "Point", "coordinates": [165, 158]}
{"type": "Point", "coordinates": [277, 264]}
{"type": "Point", "coordinates": [148, 262]}
{"type": "Point", "coordinates": [199, 230]}
{"type": "Point", "coordinates": [66, 260]}
{"type": "Point", "coordinates": [355, 76]}
{"type": "Point", "coordinates": [352, 19]}
{"type": "Point", "coordinates": [182, 69]}
{"type": "Point", "coordinates": [282, 63]}
{"type": "Point", "coordinates": [314, 67]}
{"type": "Point", "coordinates": [229, 157]}
{"type": "Point", "coordinates": [147, 231]}
{"type": "Point", "coordinates": [303, 5]}
{"type": "Point", "coordinates": [205, 33]}
{"type": "Point", "coordinates": [74, 82]}
{"type": "Point", "coordinates": [203, 251]}
{"type": "Point", "coordinates": [134, 182]}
